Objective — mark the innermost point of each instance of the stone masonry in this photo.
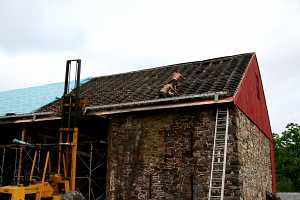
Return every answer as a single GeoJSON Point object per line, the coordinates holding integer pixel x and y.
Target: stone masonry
{"type": "Point", "coordinates": [167, 154]}
{"type": "Point", "coordinates": [254, 159]}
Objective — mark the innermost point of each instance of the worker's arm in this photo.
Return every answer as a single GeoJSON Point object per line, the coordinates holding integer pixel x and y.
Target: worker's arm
{"type": "Point", "coordinates": [173, 89]}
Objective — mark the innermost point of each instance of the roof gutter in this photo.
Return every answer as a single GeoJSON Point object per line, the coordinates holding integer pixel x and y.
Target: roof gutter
{"type": "Point", "coordinates": [30, 117]}
{"type": "Point", "coordinates": [156, 104]}
{"type": "Point", "coordinates": [174, 102]}
{"type": "Point", "coordinates": [26, 115]}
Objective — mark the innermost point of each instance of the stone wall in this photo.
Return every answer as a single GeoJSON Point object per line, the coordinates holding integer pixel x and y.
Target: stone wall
{"type": "Point", "coordinates": [254, 159]}
{"type": "Point", "coordinates": [166, 154]}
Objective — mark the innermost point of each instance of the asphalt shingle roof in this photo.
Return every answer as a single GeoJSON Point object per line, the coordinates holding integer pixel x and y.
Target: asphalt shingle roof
{"type": "Point", "coordinates": [213, 75]}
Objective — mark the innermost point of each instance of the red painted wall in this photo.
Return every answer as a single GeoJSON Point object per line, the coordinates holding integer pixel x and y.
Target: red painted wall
{"type": "Point", "coordinates": [250, 99]}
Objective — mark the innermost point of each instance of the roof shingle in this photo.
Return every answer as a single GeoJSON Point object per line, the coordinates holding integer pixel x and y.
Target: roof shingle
{"type": "Point", "coordinates": [213, 75]}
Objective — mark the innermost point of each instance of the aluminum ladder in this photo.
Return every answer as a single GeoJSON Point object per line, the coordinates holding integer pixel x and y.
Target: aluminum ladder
{"type": "Point", "coordinates": [218, 164]}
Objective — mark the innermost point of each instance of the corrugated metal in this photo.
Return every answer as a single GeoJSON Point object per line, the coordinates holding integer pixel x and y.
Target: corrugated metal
{"type": "Point", "coordinates": [250, 99]}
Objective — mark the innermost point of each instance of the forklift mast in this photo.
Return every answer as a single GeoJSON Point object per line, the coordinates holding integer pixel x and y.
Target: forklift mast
{"type": "Point", "coordinates": [70, 112]}
{"type": "Point", "coordinates": [70, 99]}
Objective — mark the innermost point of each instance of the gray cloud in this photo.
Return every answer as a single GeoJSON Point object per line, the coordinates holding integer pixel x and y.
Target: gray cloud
{"type": "Point", "coordinates": [38, 26]}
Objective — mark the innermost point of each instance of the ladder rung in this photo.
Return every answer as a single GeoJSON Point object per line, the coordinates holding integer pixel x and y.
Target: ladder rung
{"type": "Point", "coordinates": [222, 111]}
{"type": "Point", "coordinates": [216, 189]}
{"type": "Point", "coordinates": [222, 118]}
{"type": "Point", "coordinates": [220, 149]}
{"type": "Point", "coordinates": [219, 128]}
{"type": "Point", "coordinates": [217, 181]}
{"type": "Point", "coordinates": [218, 158]}
{"type": "Point", "coordinates": [218, 171]}
{"type": "Point", "coordinates": [219, 155]}
{"type": "Point", "coordinates": [219, 163]}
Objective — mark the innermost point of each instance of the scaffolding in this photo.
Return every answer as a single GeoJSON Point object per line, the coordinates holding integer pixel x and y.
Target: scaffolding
{"type": "Point", "coordinates": [27, 153]}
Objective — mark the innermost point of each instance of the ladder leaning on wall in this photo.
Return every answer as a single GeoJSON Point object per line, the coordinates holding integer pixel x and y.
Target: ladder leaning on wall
{"type": "Point", "coordinates": [218, 164]}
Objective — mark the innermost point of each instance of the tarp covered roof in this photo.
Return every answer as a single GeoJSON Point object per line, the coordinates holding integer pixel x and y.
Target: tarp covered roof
{"type": "Point", "coordinates": [27, 100]}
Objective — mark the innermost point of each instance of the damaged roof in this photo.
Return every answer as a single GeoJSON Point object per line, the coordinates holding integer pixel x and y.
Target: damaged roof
{"type": "Point", "coordinates": [214, 75]}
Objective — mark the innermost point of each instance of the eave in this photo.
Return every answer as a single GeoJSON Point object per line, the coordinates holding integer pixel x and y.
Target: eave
{"type": "Point", "coordinates": [28, 118]}
{"type": "Point", "coordinates": [156, 104]}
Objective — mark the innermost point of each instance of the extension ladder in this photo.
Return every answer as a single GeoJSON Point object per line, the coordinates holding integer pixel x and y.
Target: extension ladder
{"type": "Point", "coordinates": [218, 165]}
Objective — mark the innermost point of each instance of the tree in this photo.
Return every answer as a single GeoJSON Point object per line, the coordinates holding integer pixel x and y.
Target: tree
{"type": "Point", "coordinates": [287, 147]}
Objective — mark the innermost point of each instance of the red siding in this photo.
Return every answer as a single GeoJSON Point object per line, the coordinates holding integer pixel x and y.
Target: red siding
{"type": "Point", "coordinates": [250, 99]}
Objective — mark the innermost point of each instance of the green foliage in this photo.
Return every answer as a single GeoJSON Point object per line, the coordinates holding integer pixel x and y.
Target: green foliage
{"type": "Point", "coordinates": [287, 147]}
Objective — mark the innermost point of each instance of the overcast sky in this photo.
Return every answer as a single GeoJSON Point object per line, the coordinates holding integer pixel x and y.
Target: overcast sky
{"type": "Point", "coordinates": [37, 36]}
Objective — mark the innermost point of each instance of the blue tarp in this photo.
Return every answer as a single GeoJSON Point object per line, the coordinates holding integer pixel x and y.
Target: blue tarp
{"type": "Point", "coordinates": [27, 100]}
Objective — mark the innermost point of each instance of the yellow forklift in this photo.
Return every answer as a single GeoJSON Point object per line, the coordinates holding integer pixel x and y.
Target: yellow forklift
{"type": "Point", "coordinates": [63, 180]}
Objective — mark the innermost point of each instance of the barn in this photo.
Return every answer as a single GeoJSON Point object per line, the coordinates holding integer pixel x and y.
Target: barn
{"type": "Point", "coordinates": [211, 141]}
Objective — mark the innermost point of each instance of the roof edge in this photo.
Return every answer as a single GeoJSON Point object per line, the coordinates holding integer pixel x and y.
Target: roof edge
{"type": "Point", "coordinates": [167, 106]}
{"type": "Point", "coordinates": [29, 117]}
{"type": "Point", "coordinates": [244, 74]}
{"type": "Point", "coordinates": [212, 96]}
{"type": "Point", "coordinates": [173, 65]}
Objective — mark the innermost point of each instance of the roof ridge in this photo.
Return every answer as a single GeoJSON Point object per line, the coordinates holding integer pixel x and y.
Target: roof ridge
{"type": "Point", "coordinates": [171, 65]}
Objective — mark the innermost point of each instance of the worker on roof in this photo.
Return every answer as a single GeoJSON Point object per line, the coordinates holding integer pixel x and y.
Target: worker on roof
{"type": "Point", "coordinates": [167, 90]}
{"type": "Point", "coordinates": [170, 89]}
{"type": "Point", "coordinates": [176, 76]}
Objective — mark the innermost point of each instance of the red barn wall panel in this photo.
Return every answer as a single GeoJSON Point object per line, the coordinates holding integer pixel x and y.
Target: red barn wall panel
{"type": "Point", "coordinates": [250, 99]}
